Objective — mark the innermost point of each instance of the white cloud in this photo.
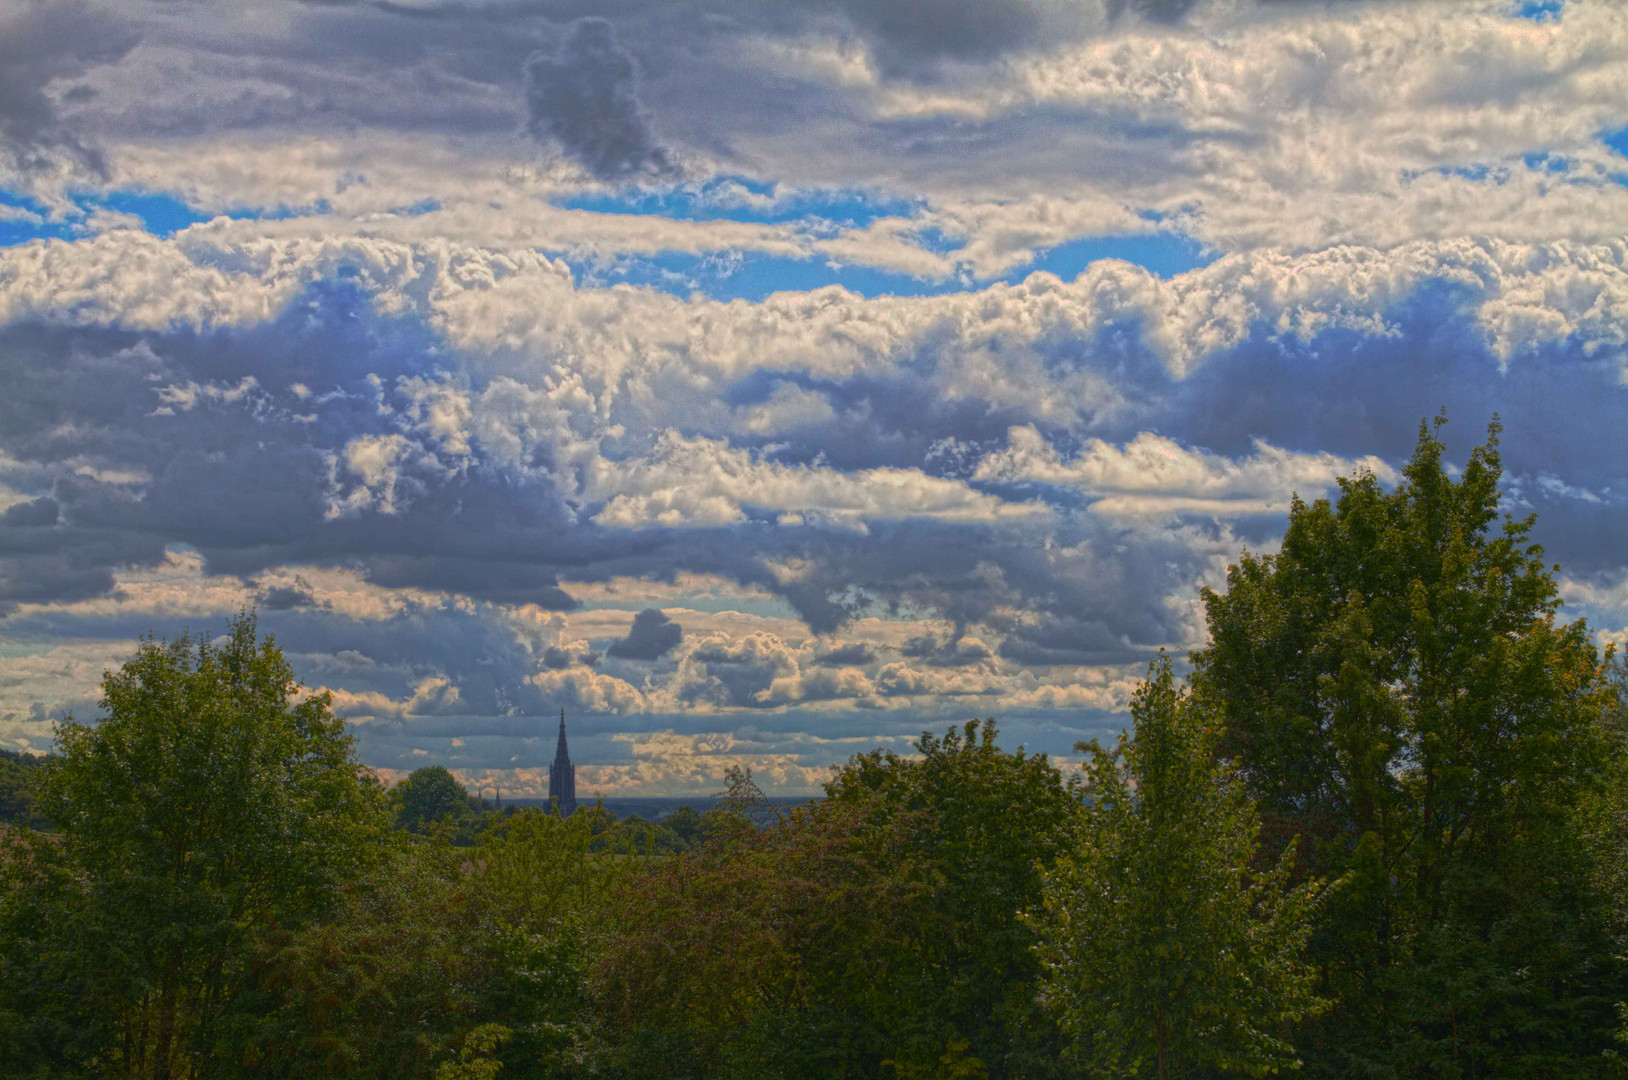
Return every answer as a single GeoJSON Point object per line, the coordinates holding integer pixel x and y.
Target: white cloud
{"type": "Point", "coordinates": [669, 762]}
{"type": "Point", "coordinates": [185, 398]}
{"type": "Point", "coordinates": [432, 694]}
{"type": "Point", "coordinates": [594, 347]}
{"type": "Point", "coordinates": [703, 482]}
{"type": "Point", "coordinates": [589, 691]}
{"type": "Point", "coordinates": [1153, 475]}
{"type": "Point", "coordinates": [38, 677]}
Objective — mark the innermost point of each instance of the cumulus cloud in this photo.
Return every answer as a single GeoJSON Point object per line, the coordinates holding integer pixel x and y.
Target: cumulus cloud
{"type": "Point", "coordinates": [584, 690]}
{"type": "Point", "coordinates": [1156, 475]}
{"type": "Point", "coordinates": [707, 482]}
{"type": "Point", "coordinates": [851, 654]}
{"type": "Point", "coordinates": [558, 657]}
{"type": "Point", "coordinates": [584, 98]}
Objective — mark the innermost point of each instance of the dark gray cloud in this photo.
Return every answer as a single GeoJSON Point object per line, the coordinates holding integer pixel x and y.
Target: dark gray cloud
{"type": "Point", "coordinates": [908, 32]}
{"type": "Point", "coordinates": [950, 652]}
{"type": "Point", "coordinates": [42, 43]}
{"type": "Point", "coordinates": [45, 558]}
{"type": "Point", "coordinates": [32, 514]}
{"type": "Point", "coordinates": [558, 658]}
{"type": "Point", "coordinates": [651, 636]}
{"type": "Point", "coordinates": [1163, 11]}
{"type": "Point", "coordinates": [853, 654]}
{"type": "Point", "coordinates": [286, 598]}
{"type": "Point", "coordinates": [584, 98]}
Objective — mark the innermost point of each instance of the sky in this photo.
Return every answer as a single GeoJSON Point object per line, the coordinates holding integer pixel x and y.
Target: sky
{"type": "Point", "coordinates": [765, 382]}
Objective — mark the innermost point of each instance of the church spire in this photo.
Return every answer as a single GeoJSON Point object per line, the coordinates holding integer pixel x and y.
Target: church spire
{"type": "Point", "coordinates": [562, 776]}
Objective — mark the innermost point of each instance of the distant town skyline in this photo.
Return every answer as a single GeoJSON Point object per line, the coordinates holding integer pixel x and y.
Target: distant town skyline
{"type": "Point", "coordinates": [759, 382]}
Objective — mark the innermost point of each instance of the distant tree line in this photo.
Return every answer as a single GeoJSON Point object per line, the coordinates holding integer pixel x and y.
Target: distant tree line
{"type": "Point", "coordinates": [1381, 831]}
{"type": "Point", "coordinates": [17, 802]}
{"type": "Point", "coordinates": [430, 800]}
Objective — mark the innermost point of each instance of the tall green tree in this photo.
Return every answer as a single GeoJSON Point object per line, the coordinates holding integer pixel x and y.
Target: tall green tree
{"type": "Point", "coordinates": [215, 798]}
{"type": "Point", "coordinates": [1399, 693]}
{"type": "Point", "coordinates": [1167, 952]}
{"type": "Point", "coordinates": [429, 796]}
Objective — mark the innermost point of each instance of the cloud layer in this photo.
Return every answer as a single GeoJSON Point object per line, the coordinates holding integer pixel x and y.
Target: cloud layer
{"type": "Point", "coordinates": [765, 382]}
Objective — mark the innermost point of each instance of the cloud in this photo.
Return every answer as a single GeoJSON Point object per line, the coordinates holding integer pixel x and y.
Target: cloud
{"type": "Point", "coordinates": [41, 43]}
{"type": "Point", "coordinates": [580, 689]}
{"type": "Point", "coordinates": [558, 657]}
{"type": "Point", "coordinates": [705, 482]}
{"type": "Point", "coordinates": [33, 514]}
{"type": "Point", "coordinates": [453, 412]}
{"type": "Point", "coordinates": [286, 598]}
{"type": "Point", "coordinates": [1155, 475]}
{"type": "Point", "coordinates": [953, 651]}
{"type": "Point", "coordinates": [695, 763]}
{"type": "Point", "coordinates": [584, 98]}
{"type": "Point", "coordinates": [651, 636]}
{"type": "Point", "coordinates": [852, 654]}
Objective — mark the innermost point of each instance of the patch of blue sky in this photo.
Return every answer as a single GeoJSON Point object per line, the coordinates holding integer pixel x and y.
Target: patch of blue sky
{"type": "Point", "coordinates": [750, 276]}
{"type": "Point", "coordinates": [1163, 254]}
{"type": "Point", "coordinates": [1617, 140]}
{"type": "Point", "coordinates": [28, 219]}
{"type": "Point", "coordinates": [23, 219]}
{"type": "Point", "coordinates": [734, 198]}
{"type": "Point", "coordinates": [754, 276]}
{"type": "Point", "coordinates": [1542, 161]}
{"type": "Point", "coordinates": [1540, 10]}
{"type": "Point", "coordinates": [161, 215]}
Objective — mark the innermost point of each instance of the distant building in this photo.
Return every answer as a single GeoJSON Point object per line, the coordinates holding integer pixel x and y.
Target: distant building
{"type": "Point", "coordinates": [562, 776]}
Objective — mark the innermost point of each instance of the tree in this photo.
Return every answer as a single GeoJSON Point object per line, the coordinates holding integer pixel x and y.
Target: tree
{"type": "Point", "coordinates": [428, 796]}
{"type": "Point", "coordinates": [686, 823]}
{"type": "Point", "coordinates": [985, 824]}
{"type": "Point", "coordinates": [875, 933]}
{"type": "Point", "coordinates": [765, 952]}
{"type": "Point", "coordinates": [216, 797]}
{"type": "Point", "coordinates": [1399, 694]}
{"type": "Point", "coordinates": [1164, 949]}
{"type": "Point", "coordinates": [17, 802]}
{"type": "Point", "coordinates": [442, 962]}
{"type": "Point", "coordinates": [387, 986]}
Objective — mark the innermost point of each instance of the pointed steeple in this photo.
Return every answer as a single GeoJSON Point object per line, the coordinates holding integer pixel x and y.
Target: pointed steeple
{"type": "Point", "coordinates": [562, 776]}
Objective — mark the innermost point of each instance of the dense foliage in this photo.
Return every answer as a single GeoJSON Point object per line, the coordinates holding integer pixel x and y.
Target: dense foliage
{"type": "Point", "coordinates": [1399, 694]}
{"type": "Point", "coordinates": [213, 799]}
{"type": "Point", "coordinates": [876, 933]}
{"type": "Point", "coordinates": [1382, 836]}
{"type": "Point", "coordinates": [1163, 951]}
{"type": "Point", "coordinates": [18, 802]}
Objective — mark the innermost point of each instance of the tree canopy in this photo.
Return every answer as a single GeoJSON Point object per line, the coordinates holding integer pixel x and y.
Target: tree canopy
{"type": "Point", "coordinates": [214, 796]}
{"type": "Point", "coordinates": [1166, 949]}
{"type": "Point", "coordinates": [429, 796]}
{"type": "Point", "coordinates": [1397, 691]}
